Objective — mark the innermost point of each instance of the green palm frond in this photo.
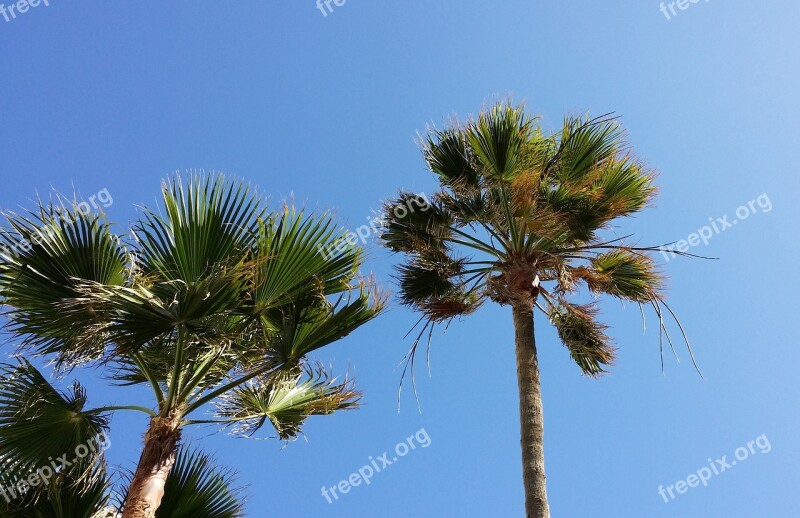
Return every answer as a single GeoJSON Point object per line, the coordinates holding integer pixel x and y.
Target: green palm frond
{"type": "Point", "coordinates": [413, 224]}
{"type": "Point", "coordinates": [625, 186]}
{"type": "Point", "coordinates": [447, 154]}
{"type": "Point", "coordinates": [64, 496]}
{"type": "Point", "coordinates": [624, 274]}
{"type": "Point", "coordinates": [497, 137]}
{"type": "Point", "coordinates": [311, 323]}
{"type": "Point", "coordinates": [210, 220]}
{"type": "Point", "coordinates": [286, 399]}
{"type": "Point", "coordinates": [297, 254]}
{"type": "Point", "coordinates": [421, 280]}
{"type": "Point", "coordinates": [44, 258]}
{"type": "Point", "coordinates": [133, 316]}
{"type": "Point", "coordinates": [584, 145]}
{"type": "Point", "coordinates": [38, 423]}
{"type": "Point", "coordinates": [197, 488]}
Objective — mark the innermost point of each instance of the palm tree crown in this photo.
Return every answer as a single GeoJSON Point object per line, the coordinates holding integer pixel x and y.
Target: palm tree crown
{"type": "Point", "coordinates": [520, 219]}
{"type": "Point", "coordinates": [214, 301]}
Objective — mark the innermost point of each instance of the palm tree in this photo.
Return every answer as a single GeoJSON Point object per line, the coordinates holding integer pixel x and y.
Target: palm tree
{"type": "Point", "coordinates": [518, 221]}
{"type": "Point", "coordinates": [215, 303]}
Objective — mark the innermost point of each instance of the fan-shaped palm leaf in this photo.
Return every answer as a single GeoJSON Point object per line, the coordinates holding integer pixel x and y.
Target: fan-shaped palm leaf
{"type": "Point", "coordinates": [48, 254]}
{"type": "Point", "coordinates": [286, 400]}
{"type": "Point", "coordinates": [196, 488]}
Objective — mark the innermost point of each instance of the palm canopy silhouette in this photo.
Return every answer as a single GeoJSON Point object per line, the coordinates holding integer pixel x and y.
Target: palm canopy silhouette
{"type": "Point", "coordinates": [215, 304]}
{"type": "Point", "coordinates": [521, 220]}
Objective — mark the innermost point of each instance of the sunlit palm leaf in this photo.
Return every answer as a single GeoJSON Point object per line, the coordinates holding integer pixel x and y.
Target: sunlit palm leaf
{"type": "Point", "coordinates": [297, 254]}
{"type": "Point", "coordinates": [585, 144]}
{"type": "Point", "coordinates": [209, 220]}
{"type": "Point", "coordinates": [623, 274]}
{"type": "Point", "coordinates": [286, 400]}
{"type": "Point", "coordinates": [497, 137]}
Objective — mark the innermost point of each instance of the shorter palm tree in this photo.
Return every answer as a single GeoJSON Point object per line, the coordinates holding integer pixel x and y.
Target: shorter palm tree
{"type": "Point", "coordinates": [519, 221]}
{"type": "Point", "coordinates": [215, 304]}
{"type": "Point", "coordinates": [39, 423]}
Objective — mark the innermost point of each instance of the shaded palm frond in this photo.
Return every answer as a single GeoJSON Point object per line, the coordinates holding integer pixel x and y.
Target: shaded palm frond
{"type": "Point", "coordinates": [197, 488]}
{"type": "Point", "coordinates": [415, 225]}
{"type": "Point", "coordinates": [39, 424]}
{"type": "Point", "coordinates": [130, 317]}
{"type": "Point", "coordinates": [311, 323]}
{"type": "Point", "coordinates": [44, 258]}
{"type": "Point", "coordinates": [583, 336]}
{"type": "Point", "coordinates": [422, 278]}
{"type": "Point", "coordinates": [447, 154]}
{"type": "Point", "coordinates": [64, 496]}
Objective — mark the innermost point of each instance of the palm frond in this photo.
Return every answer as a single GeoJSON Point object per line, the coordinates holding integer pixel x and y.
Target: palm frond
{"type": "Point", "coordinates": [624, 274]}
{"type": "Point", "coordinates": [414, 224]}
{"type": "Point", "coordinates": [39, 424]}
{"type": "Point", "coordinates": [46, 255]}
{"type": "Point", "coordinates": [497, 137]}
{"type": "Point", "coordinates": [583, 336]}
{"type": "Point", "coordinates": [197, 488]}
{"type": "Point", "coordinates": [64, 496]}
{"type": "Point", "coordinates": [209, 220]}
{"type": "Point", "coordinates": [311, 323]}
{"type": "Point", "coordinates": [584, 145]}
{"type": "Point", "coordinates": [286, 399]}
{"type": "Point", "coordinates": [297, 254]}
{"type": "Point", "coordinates": [447, 153]}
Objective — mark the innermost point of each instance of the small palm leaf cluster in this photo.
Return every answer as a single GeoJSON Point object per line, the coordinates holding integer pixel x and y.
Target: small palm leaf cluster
{"type": "Point", "coordinates": [215, 304]}
{"type": "Point", "coordinates": [521, 219]}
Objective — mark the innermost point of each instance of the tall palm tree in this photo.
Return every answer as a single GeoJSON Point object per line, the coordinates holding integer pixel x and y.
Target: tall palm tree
{"type": "Point", "coordinates": [215, 304]}
{"type": "Point", "coordinates": [519, 221]}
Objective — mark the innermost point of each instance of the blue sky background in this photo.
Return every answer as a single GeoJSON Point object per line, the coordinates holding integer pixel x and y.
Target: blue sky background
{"type": "Point", "coordinates": [118, 95]}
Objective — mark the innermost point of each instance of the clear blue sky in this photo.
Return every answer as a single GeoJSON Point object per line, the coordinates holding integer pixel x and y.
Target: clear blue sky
{"type": "Point", "coordinates": [117, 95]}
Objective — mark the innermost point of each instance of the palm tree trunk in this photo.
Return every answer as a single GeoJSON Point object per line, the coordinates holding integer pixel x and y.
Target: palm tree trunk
{"type": "Point", "coordinates": [530, 414]}
{"type": "Point", "coordinates": [158, 456]}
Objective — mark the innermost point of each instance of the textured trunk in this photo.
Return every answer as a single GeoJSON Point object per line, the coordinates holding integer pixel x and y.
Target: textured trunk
{"type": "Point", "coordinates": [530, 414]}
{"type": "Point", "coordinates": [158, 456]}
